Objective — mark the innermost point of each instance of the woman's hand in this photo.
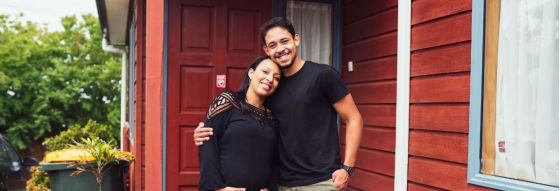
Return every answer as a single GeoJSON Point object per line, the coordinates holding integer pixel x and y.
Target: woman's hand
{"type": "Point", "coordinates": [264, 189]}
{"type": "Point", "coordinates": [231, 189]}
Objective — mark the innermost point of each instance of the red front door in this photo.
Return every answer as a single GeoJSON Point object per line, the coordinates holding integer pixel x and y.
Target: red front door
{"type": "Point", "coordinates": [208, 39]}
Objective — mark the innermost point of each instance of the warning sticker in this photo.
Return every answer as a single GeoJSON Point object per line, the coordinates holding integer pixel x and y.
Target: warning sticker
{"type": "Point", "coordinates": [221, 81]}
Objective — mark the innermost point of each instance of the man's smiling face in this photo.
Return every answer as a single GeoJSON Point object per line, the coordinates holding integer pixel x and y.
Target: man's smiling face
{"type": "Point", "coordinates": [281, 46]}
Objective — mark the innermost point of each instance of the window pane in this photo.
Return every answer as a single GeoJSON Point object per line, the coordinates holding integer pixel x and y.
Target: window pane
{"type": "Point", "coordinates": [526, 140]}
{"type": "Point", "coordinates": [313, 21]}
{"type": "Point", "coordinates": [9, 160]}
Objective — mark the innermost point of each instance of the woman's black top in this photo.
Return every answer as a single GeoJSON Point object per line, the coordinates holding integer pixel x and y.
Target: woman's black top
{"type": "Point", "coordinates": [242, 151]}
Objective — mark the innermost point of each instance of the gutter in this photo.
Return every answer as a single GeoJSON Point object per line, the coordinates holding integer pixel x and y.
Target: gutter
{"type": "Point", "coordinates": [114, 50]}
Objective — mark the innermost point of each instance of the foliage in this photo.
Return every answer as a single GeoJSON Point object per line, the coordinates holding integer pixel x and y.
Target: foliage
{"type": "Point", "coordinates": [92, 130]}
{"type": "Point", "coordinates": [76, 132]}
{"type": "Point", "coordinates": [52, 80]}
{"type": "Point", "coordinates": [39, 180]}
{"type": "Point", "coordinates": [105, 154]}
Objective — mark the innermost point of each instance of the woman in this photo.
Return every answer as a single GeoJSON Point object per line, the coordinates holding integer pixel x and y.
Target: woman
{"type": "Point", "coordinates": [242, 151]}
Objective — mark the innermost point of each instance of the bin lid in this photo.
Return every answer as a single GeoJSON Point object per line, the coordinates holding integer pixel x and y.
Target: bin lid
{"type": "Point", "coordinates": [68, 155]}
{"type": "Point", "coordinates": [59, 166]}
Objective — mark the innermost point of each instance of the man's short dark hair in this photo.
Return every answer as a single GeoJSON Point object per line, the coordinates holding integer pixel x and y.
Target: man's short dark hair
{"type": "Point", "coordinates": [281, 22]}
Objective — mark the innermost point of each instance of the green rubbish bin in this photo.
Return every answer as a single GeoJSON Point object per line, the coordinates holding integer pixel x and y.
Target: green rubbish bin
{"type": "Point", "coordinates": [61, 178]}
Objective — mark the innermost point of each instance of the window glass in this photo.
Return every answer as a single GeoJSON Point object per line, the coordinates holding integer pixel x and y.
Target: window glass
{"type": "Point", "coordinates": [313, 21]}
{"type": "Point", "coordinates": [521, 91]}
{"type": "Point", "coordinates": [9, 159]}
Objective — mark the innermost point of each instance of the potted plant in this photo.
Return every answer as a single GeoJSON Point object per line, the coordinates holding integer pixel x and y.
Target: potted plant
{"type": "Point", "coordinates": [91, 149]}
{"type": "Point", "coordinates": [105, 156]}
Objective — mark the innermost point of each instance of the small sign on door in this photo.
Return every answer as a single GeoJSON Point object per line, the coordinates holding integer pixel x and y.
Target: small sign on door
{"type": "Point", "coordinates": [221, 81]}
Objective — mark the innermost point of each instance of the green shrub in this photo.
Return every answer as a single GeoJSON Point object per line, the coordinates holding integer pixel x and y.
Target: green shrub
{"type": "Point", "coordinates": [39, 180]}
{"type": "Point", "coordinates": [101, 133]}
{"type": "Point", "coordinates": [76, 132]}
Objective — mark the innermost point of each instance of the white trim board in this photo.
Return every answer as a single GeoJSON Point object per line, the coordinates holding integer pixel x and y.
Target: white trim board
{"type": "Point", "coordinates": [403, 95]}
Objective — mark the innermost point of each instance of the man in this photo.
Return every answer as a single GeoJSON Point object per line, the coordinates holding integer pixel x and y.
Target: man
{"type": "Point", "coordinates": [306, 103]}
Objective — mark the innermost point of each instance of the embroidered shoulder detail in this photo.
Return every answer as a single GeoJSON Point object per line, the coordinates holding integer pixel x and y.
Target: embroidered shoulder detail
{"type": "Point", "coordinates": [222, 102]}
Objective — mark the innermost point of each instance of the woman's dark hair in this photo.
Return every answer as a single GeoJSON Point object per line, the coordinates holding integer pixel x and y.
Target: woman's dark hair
{"type": "Point", "coordinates": [281, 22]}
{"type": "Point", "coordinates": [241, 93]}
{"type": "Point", "coordinates": [244, 86]}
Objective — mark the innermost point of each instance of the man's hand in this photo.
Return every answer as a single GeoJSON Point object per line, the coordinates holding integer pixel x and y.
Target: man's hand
{"type": "Point", "coordinates": [231, 189]}
{"type": "Point", "coordinates": [340, 178]}
{"type": "Point", "coordinates": [201, 134]}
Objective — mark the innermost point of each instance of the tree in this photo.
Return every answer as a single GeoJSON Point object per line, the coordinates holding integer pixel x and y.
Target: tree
{"type": "Point", "coordinates": [52, 80]}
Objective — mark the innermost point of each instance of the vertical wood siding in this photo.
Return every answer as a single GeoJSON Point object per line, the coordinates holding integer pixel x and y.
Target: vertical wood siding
{"type": "Point", "coordinates": [138, 149]}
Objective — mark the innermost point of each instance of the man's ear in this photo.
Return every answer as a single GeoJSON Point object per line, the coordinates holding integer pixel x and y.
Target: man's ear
{"type": "Point", "coordinates": [296, 39]}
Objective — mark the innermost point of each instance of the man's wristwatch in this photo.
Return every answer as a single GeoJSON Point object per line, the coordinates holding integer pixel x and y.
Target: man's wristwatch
{"type": "Point", "coordinates": [348, 169]}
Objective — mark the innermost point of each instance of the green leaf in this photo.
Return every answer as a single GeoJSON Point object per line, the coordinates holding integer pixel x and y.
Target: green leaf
{"type": "Point", "coordinates": [50, 81]}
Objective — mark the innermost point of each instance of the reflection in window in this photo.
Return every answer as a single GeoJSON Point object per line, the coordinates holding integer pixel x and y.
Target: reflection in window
{"type": "Point", "coordinates": [9, 160]}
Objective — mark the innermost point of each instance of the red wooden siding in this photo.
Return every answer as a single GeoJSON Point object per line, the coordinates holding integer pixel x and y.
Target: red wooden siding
{"type": "Point", "coordinates": [153, 149]}
{"type": "Point", "coordinates": [365, 180]}
{"type": "Point", "coordinates": [440, 88]}
{"type": "Point", "coordinates": [439, 95]}
{"type": "Point", "coordinates": [378, 69]}
{"type": "Point", "coordinates": [370, 42]}
{"type": "Point", "coordinates": [417, 187]}
{"type": "Point", "coordinates": [440, 117]}
{"type": "Point", "coordinates": [356, 10]}
{"type": "Point", "coordinates": [446, 146]}
{"type": "Point", "coordinates": [137, 175]}
{"type": "Point", "coordinates": [447, 59]}
{"type": "Point", "coordinates": [440, 79]}
{"type": "Point", "coordinates": [444, 31]}
{"type": "Point", "coordinates": [432, 9]}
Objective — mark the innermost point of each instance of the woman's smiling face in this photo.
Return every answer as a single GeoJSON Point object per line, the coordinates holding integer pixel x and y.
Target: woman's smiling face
{"type": "Point", "coordinates": [264, 78]}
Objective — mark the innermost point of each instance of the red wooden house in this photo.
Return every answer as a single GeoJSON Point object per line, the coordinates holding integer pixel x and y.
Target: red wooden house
{"type": "Point", "coordinates": [420, 71]}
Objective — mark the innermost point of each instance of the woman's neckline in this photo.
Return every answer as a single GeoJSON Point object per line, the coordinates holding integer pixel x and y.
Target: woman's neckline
{"type": "Point", "coordinates": [255, 107]}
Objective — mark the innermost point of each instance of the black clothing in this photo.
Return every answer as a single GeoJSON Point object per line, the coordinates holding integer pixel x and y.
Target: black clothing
{"type": "Point", "coordinates": [308, 134]}
{"type": "Point", "coordinates": [242, 151]}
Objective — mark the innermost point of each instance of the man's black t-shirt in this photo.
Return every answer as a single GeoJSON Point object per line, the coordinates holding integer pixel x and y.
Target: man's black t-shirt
{"type": "Point", "coordinates": [308, 134]}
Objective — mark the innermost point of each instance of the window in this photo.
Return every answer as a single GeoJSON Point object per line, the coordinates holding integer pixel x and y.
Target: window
{"type": "Point", "coordinates": [9, 158]}
{"type": "Point", "coordinates": [313, 21]}
{"type": "Point", "coordinates": [513, 141]}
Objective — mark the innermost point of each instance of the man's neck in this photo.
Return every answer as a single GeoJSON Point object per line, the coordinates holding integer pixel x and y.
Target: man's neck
{"type": "Point", "coordinates": [294, 68]}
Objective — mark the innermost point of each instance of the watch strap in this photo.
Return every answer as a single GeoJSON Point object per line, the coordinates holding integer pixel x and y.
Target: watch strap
{"type": "Point", "coordinates": [348, 169]}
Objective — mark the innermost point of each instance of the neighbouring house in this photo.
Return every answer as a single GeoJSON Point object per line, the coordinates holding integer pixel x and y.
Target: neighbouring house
{"type": "Point", "coordinates": [455, 95]}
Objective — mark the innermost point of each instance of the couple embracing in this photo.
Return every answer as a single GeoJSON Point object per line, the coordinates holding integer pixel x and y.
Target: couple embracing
{"type": "Point", "coordinates": [279, 130]}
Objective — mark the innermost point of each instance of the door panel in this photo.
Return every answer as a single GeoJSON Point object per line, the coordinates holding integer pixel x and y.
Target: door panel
{"type": "Point", "coordinates": [198, 93]}
{"type": "Point", "coordinates": [206, 38]}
